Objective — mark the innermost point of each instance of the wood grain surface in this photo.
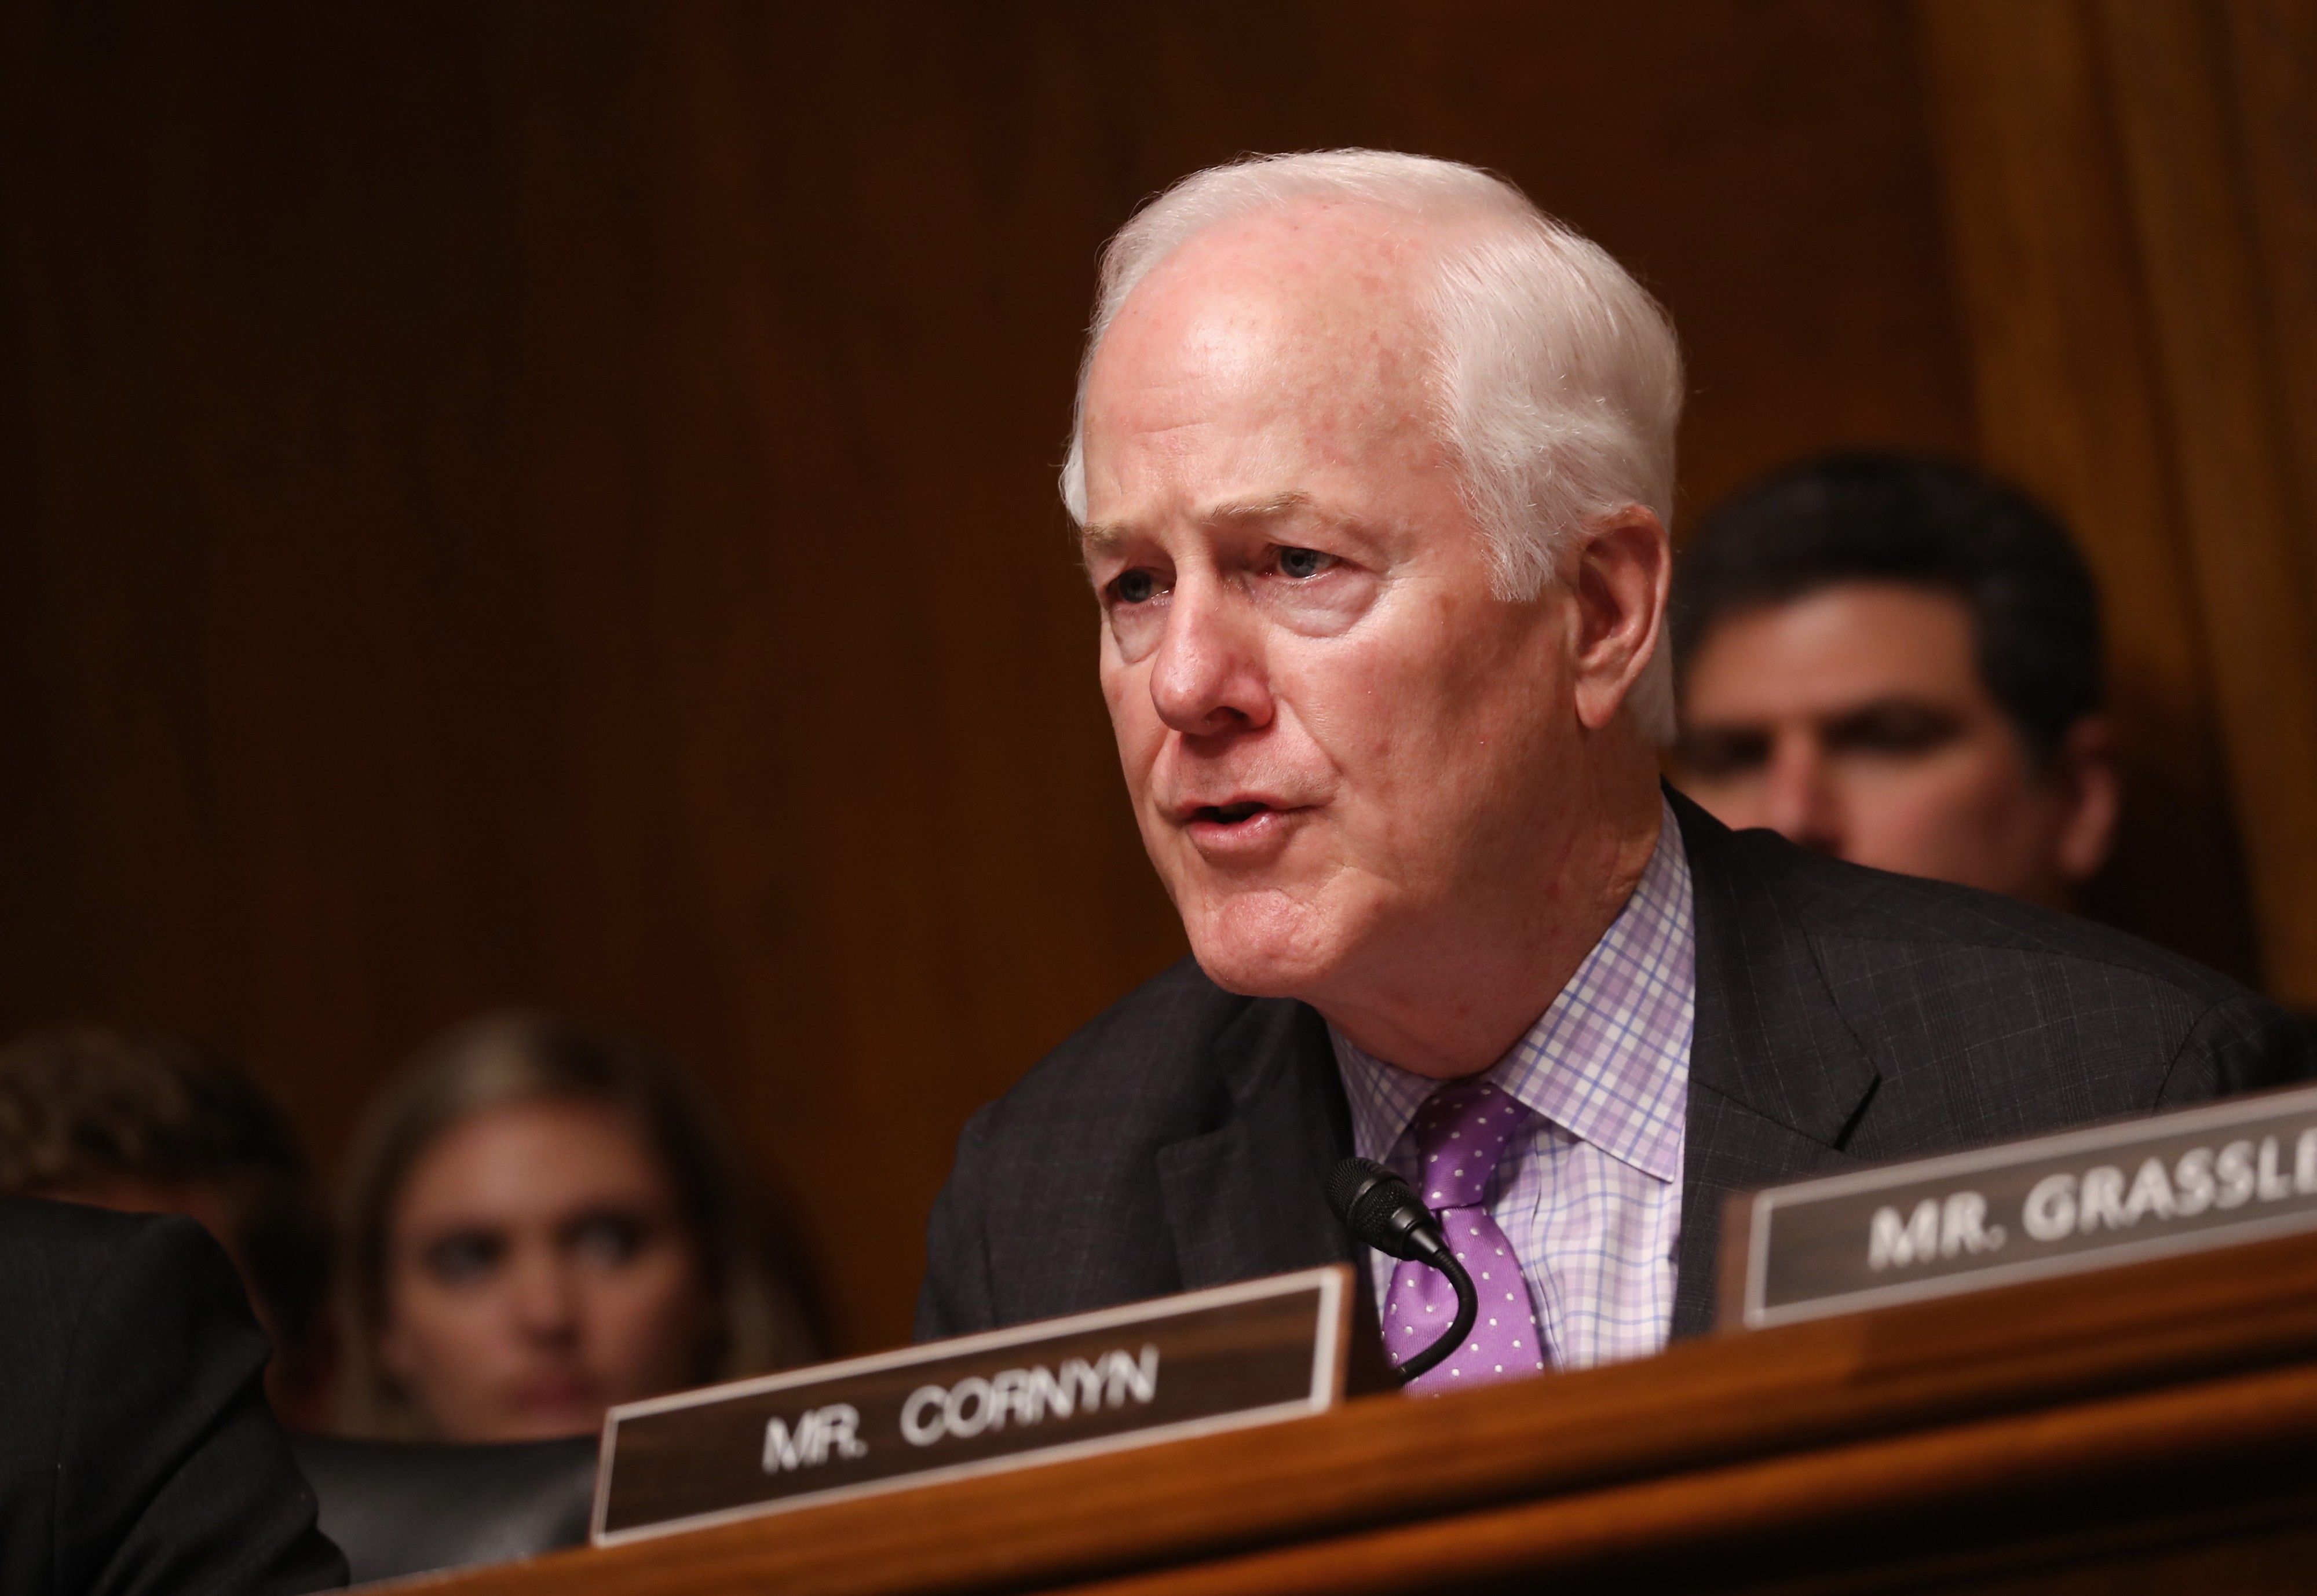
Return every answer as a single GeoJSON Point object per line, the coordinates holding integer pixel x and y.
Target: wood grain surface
{"type": "Point", "coordinates": [2132, 202]}
{"type": "Point", "coordinates": [555, 502]}
{"type": "Point", "coordinates": [2142, 1401]}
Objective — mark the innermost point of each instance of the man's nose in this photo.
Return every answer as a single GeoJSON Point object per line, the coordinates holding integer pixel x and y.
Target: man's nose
{"type": "Point", "coordinates": [1800, 802]}
{"type": "Point", "coordinates": [1209, 676]}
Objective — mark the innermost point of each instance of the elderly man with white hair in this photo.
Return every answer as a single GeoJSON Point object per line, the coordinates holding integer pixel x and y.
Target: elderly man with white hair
{"type": "Point", "coordinates": [1373, 462]}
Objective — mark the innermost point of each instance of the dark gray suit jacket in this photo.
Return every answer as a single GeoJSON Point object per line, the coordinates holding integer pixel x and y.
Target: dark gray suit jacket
{"type": "Point", "coordinates": [1845, 1017]}
{"type": "Point", "coordinates": [138, 1457]}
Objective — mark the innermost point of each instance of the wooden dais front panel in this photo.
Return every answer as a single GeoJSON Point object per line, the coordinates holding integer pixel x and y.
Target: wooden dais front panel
{"type": "Point", "coordinates": [2158, 1415]}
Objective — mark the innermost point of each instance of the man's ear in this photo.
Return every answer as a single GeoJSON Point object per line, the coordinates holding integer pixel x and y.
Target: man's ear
{"type": "Point", "coordinates": [1618, 579]}
{"type": "Point", "coordinates": [2084, 773]}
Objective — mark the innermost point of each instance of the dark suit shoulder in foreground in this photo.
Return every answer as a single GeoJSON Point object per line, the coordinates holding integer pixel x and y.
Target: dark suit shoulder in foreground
{"type": "Point", "coordinates": [137, 1452]}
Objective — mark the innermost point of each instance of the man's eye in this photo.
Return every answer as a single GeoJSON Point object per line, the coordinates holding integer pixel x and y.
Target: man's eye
{"type": "Point", "coordinates": [1895, 729]}
{"type": "Point", "coordinates": [1134, 587]}
{"type": "Point", "coordinates": [1724, 753]}
{"type": "Point", "coordinates": [1303, 563]}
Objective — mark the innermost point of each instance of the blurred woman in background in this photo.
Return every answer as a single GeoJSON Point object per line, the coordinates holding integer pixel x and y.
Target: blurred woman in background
{"type": "Point", "coordinates": [539, 1223]}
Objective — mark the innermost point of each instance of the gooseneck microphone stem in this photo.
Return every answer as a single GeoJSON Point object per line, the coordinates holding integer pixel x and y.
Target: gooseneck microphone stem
{"type": "Point", "coordinates": [1468, 1312]}
{"type": "Point", "coordinates": [1378, 1208]}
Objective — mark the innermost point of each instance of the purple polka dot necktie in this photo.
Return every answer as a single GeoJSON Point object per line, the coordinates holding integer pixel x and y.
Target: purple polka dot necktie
{"type": "Point", "coordinates": [1461, 1131]}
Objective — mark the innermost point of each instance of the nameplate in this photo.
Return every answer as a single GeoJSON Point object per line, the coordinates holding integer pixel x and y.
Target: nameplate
{"type": "Point", "coordinates": [2200, 1178]}
{"type": "Point", "coordinates": [1189, 1365]}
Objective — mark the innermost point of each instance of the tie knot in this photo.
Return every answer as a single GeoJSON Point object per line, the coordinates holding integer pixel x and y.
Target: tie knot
{"type": "Point", "coordinates": [1461, 1132]}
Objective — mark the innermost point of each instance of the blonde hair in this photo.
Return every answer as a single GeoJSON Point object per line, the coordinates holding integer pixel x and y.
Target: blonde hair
{"type": "Point", "coordinates": [755, 1275]}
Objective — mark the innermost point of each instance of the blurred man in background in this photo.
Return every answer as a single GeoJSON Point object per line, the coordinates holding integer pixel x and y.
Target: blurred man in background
{"type": "Point", "coordinates": [149, 1125]}
{"type": "Point", "coordinates": [1897, 661]}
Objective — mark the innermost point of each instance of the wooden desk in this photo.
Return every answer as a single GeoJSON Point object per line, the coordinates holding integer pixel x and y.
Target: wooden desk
{"type": "Point", "coordinates": [2149, 1427]}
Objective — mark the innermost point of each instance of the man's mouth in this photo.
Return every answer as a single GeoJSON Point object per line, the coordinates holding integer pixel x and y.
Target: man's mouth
{"type": "Point", "coordinates": [1242, 832]}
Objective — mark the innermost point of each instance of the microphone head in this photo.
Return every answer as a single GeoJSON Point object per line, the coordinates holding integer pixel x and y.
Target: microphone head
{"type": "Point", "coordinates": [1378, 1208]}
{"type": "Point", "coordinates": [1351, 1180]}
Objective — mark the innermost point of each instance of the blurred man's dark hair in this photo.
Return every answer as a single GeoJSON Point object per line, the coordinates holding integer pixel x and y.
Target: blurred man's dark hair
{"type": "Point", "coordinates": [142, 1122]}
{"type": "Point", "coordinates": [1894, 518]}
{"type": "Point", "coordinates": [1897, 660]}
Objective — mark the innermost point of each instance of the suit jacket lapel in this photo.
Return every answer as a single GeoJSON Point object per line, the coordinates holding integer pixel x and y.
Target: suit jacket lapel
{"type": "Point", "coordinates": [1775, 1077]}
{"type": "Point", "coordinates": [1776, 1080]}
{"type": "Point", "coordinates": [1247, 1198]}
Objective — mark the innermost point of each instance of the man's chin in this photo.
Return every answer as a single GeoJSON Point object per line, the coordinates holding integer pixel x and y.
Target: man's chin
{"type": "Point", "coordinates": [1266, 956]}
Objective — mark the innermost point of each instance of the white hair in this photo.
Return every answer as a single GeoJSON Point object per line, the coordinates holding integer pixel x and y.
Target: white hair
{"type": "Point", "coordinates": [1558, 378]}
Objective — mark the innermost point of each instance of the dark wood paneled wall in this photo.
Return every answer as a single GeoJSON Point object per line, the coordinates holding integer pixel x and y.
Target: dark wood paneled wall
{"type": "Point", "coordinates": [554, 502]}
{"type": "Point", "coordinates": [2132, 200]}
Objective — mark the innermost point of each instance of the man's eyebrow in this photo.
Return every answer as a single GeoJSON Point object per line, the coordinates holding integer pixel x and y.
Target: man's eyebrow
{"type": "Point", "coordinates": [1260, 509]}
{"type": "Point", "coordinates": [1099, 537]}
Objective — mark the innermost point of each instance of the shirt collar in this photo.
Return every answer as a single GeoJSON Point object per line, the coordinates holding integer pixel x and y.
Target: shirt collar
{"type": "Point", "coordinates": [1608, 1061]}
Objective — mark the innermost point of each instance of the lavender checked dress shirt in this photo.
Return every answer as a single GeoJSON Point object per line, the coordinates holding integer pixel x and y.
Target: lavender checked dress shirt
{"type": "Point", "coordinates": [1588, 1190]}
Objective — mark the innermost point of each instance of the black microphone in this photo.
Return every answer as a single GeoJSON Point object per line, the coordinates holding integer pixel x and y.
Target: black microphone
{"type": "Point", "coordinates": [1377, 1208]}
